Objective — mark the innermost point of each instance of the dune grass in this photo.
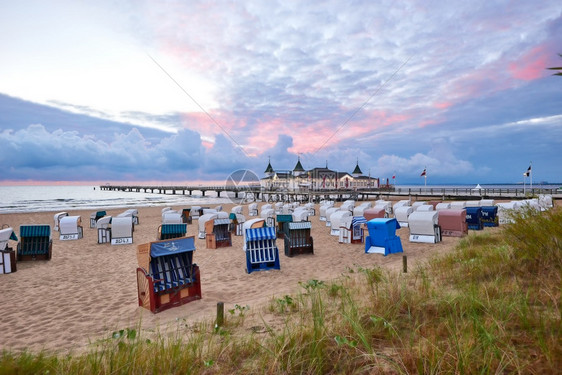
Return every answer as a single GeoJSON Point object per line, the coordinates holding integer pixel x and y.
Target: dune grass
{"type": "Point", "coordinates": [490, 306]}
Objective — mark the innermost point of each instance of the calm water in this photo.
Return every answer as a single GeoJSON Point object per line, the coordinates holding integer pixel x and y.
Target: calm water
{"type": "Point", "coordinates": [63, 198]}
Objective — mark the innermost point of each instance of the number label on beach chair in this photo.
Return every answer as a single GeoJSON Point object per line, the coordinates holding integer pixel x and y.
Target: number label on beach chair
{"type": "Point", "coordinates": [66, 237]}
{"type": "Point", "coordinates": [121, 241]}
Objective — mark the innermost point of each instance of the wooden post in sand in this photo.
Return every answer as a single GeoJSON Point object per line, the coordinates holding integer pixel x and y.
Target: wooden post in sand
{"type": "Point", "coordinates": [405, 263]}
{"type": "Point", "coordinates": [220, 314]}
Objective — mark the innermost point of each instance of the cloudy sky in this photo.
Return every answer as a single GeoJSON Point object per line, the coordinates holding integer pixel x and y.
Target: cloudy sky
{"type": "Point", "coordinates": [165, 91]}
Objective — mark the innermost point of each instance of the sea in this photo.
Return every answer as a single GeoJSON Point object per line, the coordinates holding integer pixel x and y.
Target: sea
{"type": "Point", "coordinates": [19, 199]}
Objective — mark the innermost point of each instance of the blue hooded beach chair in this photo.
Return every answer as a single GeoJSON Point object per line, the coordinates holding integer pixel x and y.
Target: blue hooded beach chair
{"type": "Point", "coordinates": [382, 238]}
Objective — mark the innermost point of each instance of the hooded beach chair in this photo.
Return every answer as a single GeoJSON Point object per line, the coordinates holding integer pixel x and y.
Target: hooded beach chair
{"type": "Point", "coordinates": [351, 230]}
{"type": "Point", "coordinates": [202, 224]}
{"type": "Point", "coordinates": [195, 212]}
{"type": "Point", "coordinates": [375, 212]}
{"type": "Point", "coordinates": [122, 230]}
{"type": "Point", "coordinates": [472, 204]}
{"type": "Point", "coordinates": [297, 238]}
{"type": "Point", "coordinates": [424, 226]}
{"type": "Point", "coordinates": [260, 248]}
{"type": "Point", "coordinates": [57, 217]}
{"type": "Point", "coordinates": [301, 214]}
{"type": "Point", "coordinates": [474, 218]}
{"type": "Point", "coordinates": [336, 221]}
{"type": "Point", "coordinates": [186, 216]}
{"type": "Point", "coordinates": [95, 216]}
{"type": "Point", "coordinates": [7, 254]}
{"type": "Point", "coordinates": [167, 276]}
{"type": "Point", "coordinates": [70, 228]}
{"type": "Point", "coordinates": [217, 233]}
{"type": "Point", "coordinates": [253, 209]}
{"type": "Point", "coordinates": [400, 203]}
{"type": "Point", "coordinates": [545, 202]}
{"type": "Point", "coordinates": [329, 212]}
{"type": "Point", "coordinates": [133, 213]}
{"type": "Point", "coordinates": [417, 205]}
{"type": "Point", "coordinates": [490, 216]}
{"type": "Point", "coordinates": [505, 211]}
{"type": "Point", "coordinates": [236, 210]}
{"type": "Point", "coordinates": [269, 216]}
{"type": "Point", "coordinates": [360, 210]}
{"type": "Point", "coordinates": [172, 217]}
{"type": "Point", "coordinates": [35, 242]}
{"type": "Point", "coordinates": [425, 208]}
{"type": "Point", "coordinates": [382, 238]}
{"type": "Point", "coordinates": [237, 221]}
{"type": "Point", "coordinates": [442, 206]}
{"type": "Point", "coordinates": [401, 214]}
{"type": "Point", "coordinates": [103, 226]}
{"type": "Point", "coordinates": [453, 222]}
{"type": "Point", "coordinates": [312, 210]}
{"type": "Point", "coordinates": [456, 205]}
{"type": "Point", "coordinates": [169, 231]}
{"type": "Point", "coordinates": [281, 221]}
{"type": "Point", "coordinates": [387, 205]}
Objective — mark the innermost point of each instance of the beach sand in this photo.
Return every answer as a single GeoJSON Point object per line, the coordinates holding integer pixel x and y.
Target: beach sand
{"type": "Point", "coordinates": [88, 290]}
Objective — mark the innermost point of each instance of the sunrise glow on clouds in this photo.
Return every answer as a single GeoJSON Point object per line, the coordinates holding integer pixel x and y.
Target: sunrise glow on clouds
{"type": "Point", "coordinates": [152, 90]}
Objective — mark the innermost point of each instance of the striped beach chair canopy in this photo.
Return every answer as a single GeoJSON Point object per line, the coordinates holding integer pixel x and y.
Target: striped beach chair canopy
{"type": "Point", "coordinates": [40, 230]}
{"type": "Point", "coordinates": [259, 234]}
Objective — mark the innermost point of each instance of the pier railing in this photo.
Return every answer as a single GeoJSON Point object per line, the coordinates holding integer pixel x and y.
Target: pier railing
{"type": "Point", "coordinates": [261, 193]}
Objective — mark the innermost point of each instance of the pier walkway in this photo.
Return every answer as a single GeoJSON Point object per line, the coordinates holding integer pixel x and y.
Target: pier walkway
{"type": "Point", "coordinates": [258, 193]}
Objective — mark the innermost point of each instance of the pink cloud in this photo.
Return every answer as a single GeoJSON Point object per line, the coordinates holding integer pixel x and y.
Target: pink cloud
{"type": "Point", "coordinates": [531, 65]}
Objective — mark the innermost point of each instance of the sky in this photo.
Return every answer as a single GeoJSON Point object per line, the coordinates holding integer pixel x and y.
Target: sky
{"type": "Point", "coordinates": [185, 91]}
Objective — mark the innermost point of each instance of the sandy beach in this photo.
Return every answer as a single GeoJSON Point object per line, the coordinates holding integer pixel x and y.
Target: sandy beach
{"type": "Point", "coordinates": [87, 290]}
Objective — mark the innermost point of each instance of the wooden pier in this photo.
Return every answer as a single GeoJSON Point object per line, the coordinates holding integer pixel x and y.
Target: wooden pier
{"type": "Point", "coordinates": [260, 194]}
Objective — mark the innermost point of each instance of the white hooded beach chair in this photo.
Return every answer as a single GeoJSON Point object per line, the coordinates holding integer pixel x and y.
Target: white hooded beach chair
{"type": "Point", "coordinates": [236, 210]}
{"type": "Point", "coordinates": [458, 205]}
{"type": "Point", "coordinates": [505, 210]}
{"type": "Point", "coordinates": [404, 202]}
{"type": "Point", "coordinates": [425, 208]}
{"type": "Point", "coordinates": [57, 218]}
{"type": "Point", "coordinates": [172, 217]}
{"type": "Point", "coordinates": [7, 254]}
{"type": "Point", "coordinates": [70, 228]}
{"type": "Point", "coordinates": [104, 229]}
{"type": "Point", "coordinates": [424, 227]}
{"type": "Point", "coordinates": [238, 223]}
{"type": "Point", "coordinates": [122, 230]}
{"type": "Point", "coordinates": [545, 202]}
{"type": "Point", "coordinates": [387, 205]}
{"type": "Point", "coordinates": [472, 204]}
{"type": "Point", "coordinates": [337, 220]}
{"type": "Point", "coordinates": [95, 216]}
{"type": "Point", "coordinates": [133, 213]}
{"type": "Point", "coordinates": [202, 221]}
{"type": "Point", "coordinates": [329, 213]}
{"type": "Point", "coordinates": [487, 202]}
{"type": "Point", "coordinates": [442, 206]}
{"type": "Point", "coordinates": [359, 210]}
{"type": "Point", "coordinates": [269, 216]}
{"type": "Point", "coordinates": [300, 214]}
{"type": "Point", "coordinates": [401, 214]}
{"type": "Point", "coordinates": [415, 205]}
{"type": "Point", "coordinates": [311, 209]}
{"type": "Point", "coordinates": [348, 205]}
{"type": "Point", "coordinates": [195, 212]}
{"type": "Point", "coordinates": [253, 209]}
